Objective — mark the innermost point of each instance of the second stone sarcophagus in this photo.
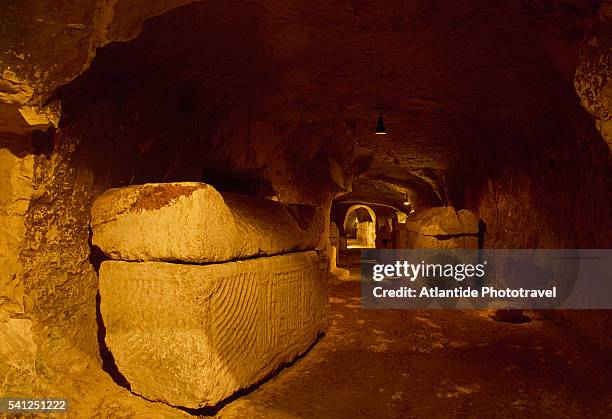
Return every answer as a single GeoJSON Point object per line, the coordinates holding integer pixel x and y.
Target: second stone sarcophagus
{"type": "Point", "coordinates": [193, 334]}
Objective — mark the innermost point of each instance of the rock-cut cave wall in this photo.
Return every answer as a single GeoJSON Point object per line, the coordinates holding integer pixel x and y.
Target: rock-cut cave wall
{"type": "Point", "coordinates": [278, 100]}
{"type": "Point", "coordinates": [137, 116]}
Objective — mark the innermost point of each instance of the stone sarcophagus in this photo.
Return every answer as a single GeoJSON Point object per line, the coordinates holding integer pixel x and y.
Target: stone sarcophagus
{"type": "Point", "coordinates": [192, 334]}
{"type": "Point", "coordinates": [438, 227]}
{"type": "Point", "coordinates": [193, 222]}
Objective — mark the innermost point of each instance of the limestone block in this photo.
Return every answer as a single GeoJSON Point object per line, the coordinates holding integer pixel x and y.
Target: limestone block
{"type": "Point", "coordinates": [17, 355]}
{"type": "Point", "coordinates": [193, 222]}
{"type": "Point", "coordinates": [192, 335]}
{"type": "Point", "coordinates": [16, 192]}
{"type": "Point", "coordinates": [339, 273]}
{"type": "Point", "coordinates": [15, 115]}
{"type": "Point", "coordinates": [411, 240]}
{"type": "Point", "coordinates": [366, 233]}
{"type": "Point", "coordinates": [469, 221]}
{"type": "Point", "coordinates": [442, 221]}
{"type": "Point", "coordinates": [401, 217]}
{"type": "Point", "coordinates": [439, 227]}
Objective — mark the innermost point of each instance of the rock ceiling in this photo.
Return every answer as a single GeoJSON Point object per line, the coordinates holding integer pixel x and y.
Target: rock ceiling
{"type": "Point", "coordinates": [466, 86]}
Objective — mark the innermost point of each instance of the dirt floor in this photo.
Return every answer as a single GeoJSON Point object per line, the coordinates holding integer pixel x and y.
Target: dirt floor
{"type": "Point", "coordinates": [399, 363]}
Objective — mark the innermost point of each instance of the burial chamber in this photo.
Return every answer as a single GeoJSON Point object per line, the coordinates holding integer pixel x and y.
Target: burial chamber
{"type": "Point", "coordinates": [498, 108]}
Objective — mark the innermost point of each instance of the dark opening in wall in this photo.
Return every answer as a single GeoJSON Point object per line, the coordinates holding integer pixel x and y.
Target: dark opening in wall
{"type": "Point", "coordinates": [242, 183]}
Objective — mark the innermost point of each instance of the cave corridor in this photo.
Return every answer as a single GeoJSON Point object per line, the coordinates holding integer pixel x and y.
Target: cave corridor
{"type": "Point", "coordinates": [192, 191]}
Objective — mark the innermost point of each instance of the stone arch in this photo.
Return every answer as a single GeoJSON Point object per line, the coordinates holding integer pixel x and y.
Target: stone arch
{"type": "Point", "coordinates": [370, 235]}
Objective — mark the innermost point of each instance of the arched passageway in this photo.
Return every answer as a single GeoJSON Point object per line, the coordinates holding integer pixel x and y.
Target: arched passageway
{"type": "Point", "coordinates": [360, 227]}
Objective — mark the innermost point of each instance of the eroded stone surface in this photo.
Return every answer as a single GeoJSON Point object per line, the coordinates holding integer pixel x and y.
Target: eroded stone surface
{"type": "Point", "coordinates": [593, 79]}
{"type": "Point", "coordinates": [17, 355]}
{"type": "Point", "coordinates": [192, 222]}
{"type": "Point", "coordinates": [442, 221]}
{"type": "Point", "coordinates": [17, 346]}
{"type": "Point", "coordinates": [438, 227]}
{"type": "Point", "coordinates": [45, 47]}
{"type": "Point", "coordinates": [411, 240]}
{"type": "Point", "coordinates": [339, 273]}
{"type": "Point", "coordinates": [192, 335]}
{"type": "Point", "coordinates": [16, 191]}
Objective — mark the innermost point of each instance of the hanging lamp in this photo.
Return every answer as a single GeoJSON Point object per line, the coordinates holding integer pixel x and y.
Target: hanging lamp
{"type": "Point", "coordinates": [380, 124]}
